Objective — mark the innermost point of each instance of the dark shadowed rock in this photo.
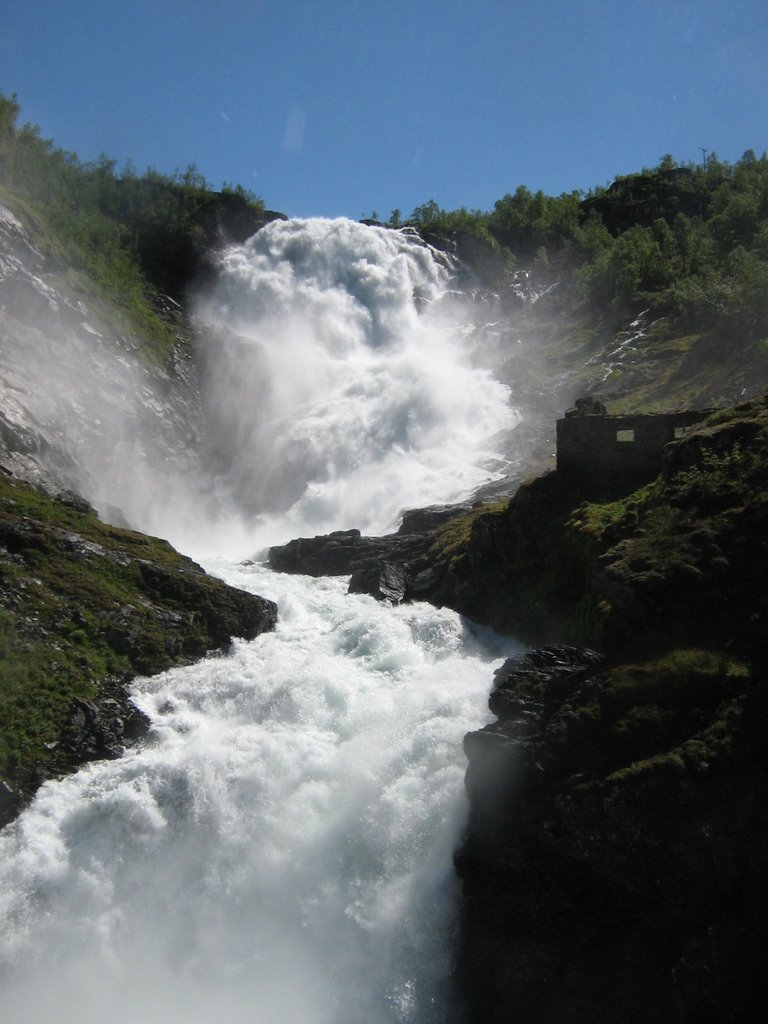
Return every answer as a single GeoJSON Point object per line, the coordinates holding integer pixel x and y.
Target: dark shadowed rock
{"type": "Point", "coordinates": [614, 866]}
{"type": "Point", "coordinates": [346, 551]}
{"type": "Point", "coordinates": [395, 568]}
{"type": "Point", "coordinates": [389, 583]}
{"type": "Point", "coordinates": [427, 520]}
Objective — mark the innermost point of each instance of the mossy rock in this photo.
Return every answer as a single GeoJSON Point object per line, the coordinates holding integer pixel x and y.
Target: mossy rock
{"type": "Point", "coordinates": [85, 606]}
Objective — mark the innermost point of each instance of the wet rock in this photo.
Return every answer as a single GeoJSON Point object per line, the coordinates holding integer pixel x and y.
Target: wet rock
{"type": "Point", "coordinates": [346, 551]}
{"type": "Point", "coordinates": [388, 583]}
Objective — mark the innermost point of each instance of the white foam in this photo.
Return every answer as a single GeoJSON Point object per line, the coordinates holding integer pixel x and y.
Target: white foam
{"type": "Point", "coordinates": [280, 850]}
{"type": "Point", "coordinates": [338, 389]}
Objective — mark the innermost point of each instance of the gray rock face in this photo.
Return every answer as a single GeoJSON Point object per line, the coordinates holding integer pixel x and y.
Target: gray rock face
{"type": "Point", "coordinates": [389, 583]}
{"type": "Point", "coordinates": [82, 407]}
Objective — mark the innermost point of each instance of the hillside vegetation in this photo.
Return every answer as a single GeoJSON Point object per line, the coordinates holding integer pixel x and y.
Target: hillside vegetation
{"type": "Point", "coordinates": [686, 241]}
{"type": "Point", "coordinates": [85, 606]}
{"type": "Point", "coordinates": [687, 245]}
{"type": "Point", "coordinates": [136, 237]}
{"type": "Point", "coordinates": [654, 290]}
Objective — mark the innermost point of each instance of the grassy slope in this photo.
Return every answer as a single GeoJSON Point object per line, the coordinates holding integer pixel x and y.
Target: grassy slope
{"type": "Point", "coordinates": [118, 309]}
{"type": "Point", "coordinates": [81, 601]}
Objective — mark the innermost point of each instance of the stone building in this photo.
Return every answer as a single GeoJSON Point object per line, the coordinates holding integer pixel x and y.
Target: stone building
{"type": "Point", "coordinates": [611, 452]}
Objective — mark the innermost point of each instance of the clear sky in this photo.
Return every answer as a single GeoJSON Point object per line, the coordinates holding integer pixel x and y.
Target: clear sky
{"type": "Point", "coordinates": [342, 107]}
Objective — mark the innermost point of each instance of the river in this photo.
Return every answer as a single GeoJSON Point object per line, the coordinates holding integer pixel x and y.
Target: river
{"type": "Point", "coordinates": [279, 848]}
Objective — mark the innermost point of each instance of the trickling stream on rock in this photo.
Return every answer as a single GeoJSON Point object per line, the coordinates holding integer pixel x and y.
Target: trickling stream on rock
{"type": "Point", "coordinates": [280, 849]}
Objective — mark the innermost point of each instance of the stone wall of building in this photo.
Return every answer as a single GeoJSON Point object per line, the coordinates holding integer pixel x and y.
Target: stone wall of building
{"type": "Point", "coordinates": [616, 451]}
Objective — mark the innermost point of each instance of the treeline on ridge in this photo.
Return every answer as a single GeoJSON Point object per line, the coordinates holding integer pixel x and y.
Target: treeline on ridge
{"type": "Point", "coordinates": [686, 241]}
{"type": "Point", "coordinates": [134, 234]}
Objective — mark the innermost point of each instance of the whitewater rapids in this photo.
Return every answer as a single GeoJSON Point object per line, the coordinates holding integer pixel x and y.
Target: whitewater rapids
{"type": "Point", "coordinates": [279, 850]}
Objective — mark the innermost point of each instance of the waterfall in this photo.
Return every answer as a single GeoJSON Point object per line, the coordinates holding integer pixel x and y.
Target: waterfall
{"type": "Point", "coordinates": [280, 847]}
{"type": "Point", "coordinates": [337, 384]}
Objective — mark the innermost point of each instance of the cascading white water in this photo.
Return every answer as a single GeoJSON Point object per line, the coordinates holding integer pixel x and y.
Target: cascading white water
{"type": "Point", "coordinates": [337, 388]}
{"type": "Point", "coordinates": [279, 850]}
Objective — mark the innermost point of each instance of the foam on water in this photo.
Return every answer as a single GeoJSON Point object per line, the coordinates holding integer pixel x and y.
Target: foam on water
{"type": "Point", "coordinates": [279, 850]}
{"type": "Point", "coordinates": [338, 388]}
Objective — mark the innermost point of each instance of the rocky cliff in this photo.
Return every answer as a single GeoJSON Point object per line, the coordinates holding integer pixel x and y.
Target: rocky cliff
{"type": "Point", "coordinates": [83, 392]}
{"type": "Point", "coordinates": [615, 860]}
{"type": "Point", "coordinates": [679, 561]}
{"type": "Point", "coordinates": [614, 866]}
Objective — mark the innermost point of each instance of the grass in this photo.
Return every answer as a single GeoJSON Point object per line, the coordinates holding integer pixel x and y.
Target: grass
{"type": "Point", "coordinates": [119, 300]}
{"type": "Point", "coordinates": [80, 601]}
{"type": "Point", "coordinates": [594, 518]}
{"type": "Point", "coordinates": [39, 680]}
{"type": "Point", "coordinates": [667, 716]}
{"type": "Point", "coordinates": [452, 538]}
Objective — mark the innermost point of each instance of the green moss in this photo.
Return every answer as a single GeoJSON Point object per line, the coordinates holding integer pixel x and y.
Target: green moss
{"type": "Point", "coordinates": [676, 713]}
{"type": "Point", "coordinates": [81, 600]}
{"type": "Point", "coordinates": [594, 518]}
{"type": "Point", "coordinates": [38, 681]}
{"type": "Point", "coordinates": [119, 299]}
{"type": "Point", "coordinates": [679, 677]}
{"type": "Point", "coordinates": [451, 539]}
{"type": "Point", "coordinates": [668, 765]}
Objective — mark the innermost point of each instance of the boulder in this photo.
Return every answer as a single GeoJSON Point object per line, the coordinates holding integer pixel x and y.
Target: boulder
{"type": "Point", "coordinates": [346, 551]}
{"type": "Point", "coordinates": [387, 583]}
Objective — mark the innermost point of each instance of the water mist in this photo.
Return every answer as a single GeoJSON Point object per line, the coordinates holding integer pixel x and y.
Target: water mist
{"type": "Point", "coordinates": [337, 387]}
{"type": "Point", "coordinates": [280, 848]}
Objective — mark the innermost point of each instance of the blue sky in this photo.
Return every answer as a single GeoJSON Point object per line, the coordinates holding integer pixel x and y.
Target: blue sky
{"type": "Point", "coordinates": [342, 107]}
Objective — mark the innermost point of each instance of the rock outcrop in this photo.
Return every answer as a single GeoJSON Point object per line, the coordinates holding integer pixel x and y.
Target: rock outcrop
{"type": "Point", "coordinates": [412, 564]}
{"type": "Point", "coordinates": [680, 561]}
{"type": "Point", "coordinates": [615, 863]}
{"type": "Point", "coordinates": [386, 583]}
{"type": "Point", "coordinates": [614, 866]}
{"type": "Point", "coordinates": [398, 567]}
{"type": "Point", "coordinates": [346, 551]}
{"type": "Point", "coordinates": [84, 607]}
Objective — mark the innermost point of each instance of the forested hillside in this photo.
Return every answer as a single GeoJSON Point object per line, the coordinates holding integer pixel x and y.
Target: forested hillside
{"type": "Point", "coordinates": [136, 236]}
{"type": "Point", "coordinates": [687, 241]}
{"type": "Point", "coordinates": [655, 288]}
{"type": "Point", "coordinates": [682, 241]}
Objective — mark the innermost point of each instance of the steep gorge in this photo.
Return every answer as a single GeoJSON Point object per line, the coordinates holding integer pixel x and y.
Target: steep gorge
{"type": "Point", "coordinates": [570, 879]}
